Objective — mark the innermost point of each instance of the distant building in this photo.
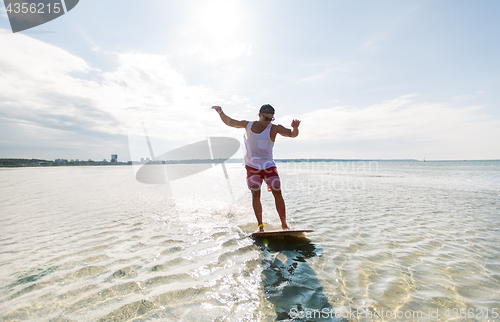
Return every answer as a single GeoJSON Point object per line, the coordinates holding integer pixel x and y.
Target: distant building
{"type": "Point", "coordinates": [114, 158]}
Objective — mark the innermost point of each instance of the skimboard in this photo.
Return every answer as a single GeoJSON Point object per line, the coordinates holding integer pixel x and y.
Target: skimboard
{"type": "Point", "coordinates": [281, 233]}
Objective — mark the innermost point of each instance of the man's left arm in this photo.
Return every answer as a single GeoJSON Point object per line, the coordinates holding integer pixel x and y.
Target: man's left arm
{"type": "Point", "coordinates": [291, 133]}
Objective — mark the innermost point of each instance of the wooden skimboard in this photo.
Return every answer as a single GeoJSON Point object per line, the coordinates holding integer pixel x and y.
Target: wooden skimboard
{"type": "Point", "coordinates": [281, 233]}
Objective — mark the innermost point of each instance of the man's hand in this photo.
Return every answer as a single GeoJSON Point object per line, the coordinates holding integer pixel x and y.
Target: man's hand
{"type": "Point", "coordinates": [295, 124]}
{"type": "Point", "coordinates": [217, 108]}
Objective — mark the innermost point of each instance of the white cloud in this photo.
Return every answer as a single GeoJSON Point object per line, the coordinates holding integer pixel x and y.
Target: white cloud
{"type": "Point", "coordinates": [36, 81]}
{"type": "Point", "coordinates": [211, 51]}
{"type": "Point", "coordinates": [55, 92]}
{"type": "Point", "coordinates": [420, 128]}
{"type": "Point", "coordinates": [54, 98]}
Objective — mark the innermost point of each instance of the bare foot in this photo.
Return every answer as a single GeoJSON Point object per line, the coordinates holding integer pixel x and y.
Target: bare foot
{"type": "Point", "coordinates": [285, 227]}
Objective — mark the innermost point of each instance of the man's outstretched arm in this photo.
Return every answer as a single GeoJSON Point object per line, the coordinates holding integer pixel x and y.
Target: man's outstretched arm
{"type": "Point", "coordinates": [291, 133]}
{"type": "Point", "coordinates": [229, 121]}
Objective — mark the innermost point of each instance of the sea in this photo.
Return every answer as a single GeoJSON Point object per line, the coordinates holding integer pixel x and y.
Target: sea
{"type": "Point", "coordinates": [392, 241]}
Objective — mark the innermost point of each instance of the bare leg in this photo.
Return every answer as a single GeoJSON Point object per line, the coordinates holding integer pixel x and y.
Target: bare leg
{"type": "Point", "coordinates": [257, 206]}
{"type": "Point", "coordinates": [280, 206]}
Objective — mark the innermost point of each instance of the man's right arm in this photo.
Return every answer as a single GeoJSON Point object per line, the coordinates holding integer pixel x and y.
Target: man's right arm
{"type": "Point", "coordinates": [229, 121]}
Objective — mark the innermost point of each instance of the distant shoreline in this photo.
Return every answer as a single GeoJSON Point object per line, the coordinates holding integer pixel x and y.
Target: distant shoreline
{"type": "Point", "coordinates": [22, 163]}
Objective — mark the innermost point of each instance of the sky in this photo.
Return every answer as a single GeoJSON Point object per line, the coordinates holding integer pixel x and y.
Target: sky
{"type": "Point", "coordinates": [368, 79]}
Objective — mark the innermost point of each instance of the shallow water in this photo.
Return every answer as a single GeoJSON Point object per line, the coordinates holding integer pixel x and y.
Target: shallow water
{"type": "Point", "coordinates": [392, 241]}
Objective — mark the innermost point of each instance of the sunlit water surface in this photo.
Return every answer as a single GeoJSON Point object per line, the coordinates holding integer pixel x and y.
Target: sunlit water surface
{"type": "Point", "coordinates": [390, 239]}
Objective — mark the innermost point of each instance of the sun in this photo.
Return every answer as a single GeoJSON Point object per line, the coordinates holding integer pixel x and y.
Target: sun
{"type": "Point", "coordinates": [219, 20]}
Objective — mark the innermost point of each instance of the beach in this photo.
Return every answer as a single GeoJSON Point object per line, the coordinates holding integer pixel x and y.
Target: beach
{"type": "Point", "coordinates": [392, 240]}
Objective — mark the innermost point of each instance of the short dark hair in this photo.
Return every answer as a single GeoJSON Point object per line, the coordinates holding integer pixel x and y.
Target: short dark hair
{"type": "Point", "coordinates": [267, 109]}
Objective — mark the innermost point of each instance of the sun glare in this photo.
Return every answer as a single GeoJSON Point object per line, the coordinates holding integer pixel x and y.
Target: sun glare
{"type": "Point", "coordinates": [220, 20]}
{"type": "Point", "coordinates": [218, 27]}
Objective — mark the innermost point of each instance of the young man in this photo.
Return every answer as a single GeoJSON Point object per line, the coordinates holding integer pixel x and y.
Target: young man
{"type": "Point", "coordinates": [259, 163]}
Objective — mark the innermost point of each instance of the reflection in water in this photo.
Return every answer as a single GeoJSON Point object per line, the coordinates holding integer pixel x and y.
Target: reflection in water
{"type": "Point", "coordinates": [290, 284]}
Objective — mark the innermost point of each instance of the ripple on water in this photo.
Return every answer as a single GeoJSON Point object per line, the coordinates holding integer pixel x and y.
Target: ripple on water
{"type": "Point", "coordinates": [409, 239]}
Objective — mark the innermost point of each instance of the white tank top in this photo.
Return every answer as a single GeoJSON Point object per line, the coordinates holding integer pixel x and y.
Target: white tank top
{"type": "Point", "coordinates": [259, 148]}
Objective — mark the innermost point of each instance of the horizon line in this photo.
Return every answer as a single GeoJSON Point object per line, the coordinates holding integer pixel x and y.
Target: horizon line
{"type": "Point", "coordinates": [277, 160]}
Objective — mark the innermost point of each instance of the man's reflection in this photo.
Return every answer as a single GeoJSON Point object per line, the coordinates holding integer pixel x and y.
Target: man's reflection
{"type": "Point", "coordinates": [290, 284]}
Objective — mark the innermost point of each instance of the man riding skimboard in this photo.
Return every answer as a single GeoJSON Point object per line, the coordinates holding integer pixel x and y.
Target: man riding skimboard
{"type": "Point", "coordinates": [259, 141]}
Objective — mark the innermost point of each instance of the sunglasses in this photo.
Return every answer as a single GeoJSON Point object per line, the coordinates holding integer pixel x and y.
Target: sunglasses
{"type": "Point", "coordinates": [267, 119]}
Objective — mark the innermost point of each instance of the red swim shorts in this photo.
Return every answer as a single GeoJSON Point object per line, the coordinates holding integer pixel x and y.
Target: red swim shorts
{"type": "Point", "coordinates": [269, 175]}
